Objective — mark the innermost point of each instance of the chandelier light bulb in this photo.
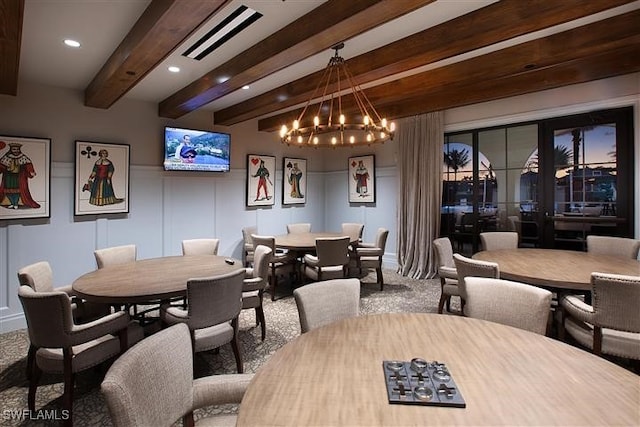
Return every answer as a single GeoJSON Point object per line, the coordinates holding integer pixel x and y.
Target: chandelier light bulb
{"type": "Point", "coordinates": [299, 139]}
{"type": "Point", "coordinates": [384, 123]}
{"type": "Point", "coordinates": [366, 120]}
{"type": "Point", "coordinates": [334, 141]}
{"type": "Point", "coordinates": [283, 131]}
{"type": "Point", "coordinates": [352, 139]}
{"type": "Point", "coordinates": [342, 119]}
{"type": "Point", "coordinates": [392, 127]}
{"type": "Point", "coordinates": [296, 125]}
{"type": "Point", "coordinates": [369, 137]}
{"type": "Point", "coordinates": [316, 121]}
{"type": "Point", "coordinates": [315, 140]}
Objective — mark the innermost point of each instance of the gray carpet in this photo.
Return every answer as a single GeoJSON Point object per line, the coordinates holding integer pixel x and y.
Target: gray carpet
{"type": "Point", "coordinates": [400, 294]}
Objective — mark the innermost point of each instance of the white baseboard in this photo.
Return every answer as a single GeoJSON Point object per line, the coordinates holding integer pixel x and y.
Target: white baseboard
{"type": "Point", "coordinates": [12, 323]}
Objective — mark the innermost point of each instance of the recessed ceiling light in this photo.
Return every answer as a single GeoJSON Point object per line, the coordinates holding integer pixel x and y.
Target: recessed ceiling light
{"type": "Point", "coordinates": [245, 87]}
{"type": "Point", "coordinates": [71, 43]}
{"type": "Point", "coordinates": [174, 69]}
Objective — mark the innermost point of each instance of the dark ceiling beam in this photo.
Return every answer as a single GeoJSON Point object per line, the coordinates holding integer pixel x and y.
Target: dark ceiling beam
{"type": "Point", "coordinates": [328, 24]}
{"type": "Point", "coordinates": [466, 33]}
{"type": "Point", "coordinates": [569, 47]}
{"type": "Point", "coordinates": [163, 26]}
{"type": "Point", "coordinates": [11, 14]}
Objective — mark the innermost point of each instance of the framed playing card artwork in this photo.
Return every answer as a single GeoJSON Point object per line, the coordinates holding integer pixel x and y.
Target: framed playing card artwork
{"type": "Point", "coordinates": [25, 177]}
{"type": "Point", "coordinates": [101, 178]}
{"type": "Point", "coordinates": [294, 181]}
{"type": "Point", "coordinates": [362, 179]}
{"type": "Point", "coordinates": [261, 171]}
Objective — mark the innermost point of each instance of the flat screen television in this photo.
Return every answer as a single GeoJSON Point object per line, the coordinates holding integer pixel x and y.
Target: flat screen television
{"type": "Point", "coordinates": [196, 150]}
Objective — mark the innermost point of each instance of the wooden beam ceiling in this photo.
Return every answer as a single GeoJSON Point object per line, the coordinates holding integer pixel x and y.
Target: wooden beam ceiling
{"type": "Point", "coordinates": [11, 13]}
{"type": "Point", "coordinates": [328, 24]}
{"type": "Point", "coordinates": [163, 27]}
{"type": "Point", "coordinates": [603, 49]}
{"type": "Point", "coordinates": [466, 33]}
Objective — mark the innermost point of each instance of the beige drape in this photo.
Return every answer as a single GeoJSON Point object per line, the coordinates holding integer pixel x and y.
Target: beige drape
{"type": "Point", "coordinates": [420, 140]}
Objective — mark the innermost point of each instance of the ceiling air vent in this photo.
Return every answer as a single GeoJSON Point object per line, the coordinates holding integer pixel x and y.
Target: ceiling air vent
{"type": "Point", "coordinates": [240, 19]}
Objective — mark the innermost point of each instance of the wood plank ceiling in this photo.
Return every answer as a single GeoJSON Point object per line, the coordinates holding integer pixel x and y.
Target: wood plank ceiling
{"type": "Point", "coordinates": [597, 50]}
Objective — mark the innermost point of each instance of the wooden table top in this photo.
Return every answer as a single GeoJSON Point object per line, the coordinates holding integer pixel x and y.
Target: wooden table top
{"type": "Point", "coordinates": [554, 268]}
{"type": "Point", "coordinates": [150, 279]}
{"type": "Point", "coordinates": [333, 376]}
{"type": "Point", "coordinates": [302, 241]}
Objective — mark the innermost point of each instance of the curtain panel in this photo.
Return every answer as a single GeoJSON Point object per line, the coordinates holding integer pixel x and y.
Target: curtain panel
{"type": "Point", "coordinates": [420, 159]}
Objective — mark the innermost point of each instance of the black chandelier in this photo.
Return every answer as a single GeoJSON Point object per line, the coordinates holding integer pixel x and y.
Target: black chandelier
{"type": "Point", "coordinates": [329, 127]}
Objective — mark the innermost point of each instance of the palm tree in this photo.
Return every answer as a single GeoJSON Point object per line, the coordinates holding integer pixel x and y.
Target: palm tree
{"type": "Point", "coordinates": [456, 159]}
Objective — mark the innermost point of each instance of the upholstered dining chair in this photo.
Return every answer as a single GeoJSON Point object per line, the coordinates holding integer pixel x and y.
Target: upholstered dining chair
{"type": "Point", "coordinates": [495, 240]}
{"type": "Point", "coordinates": [354, 230]}
{"type": "Point", "coordinates": [200, 246]}
{"type": "Point", "coordinates": [115, 255]}
{"type": "Point", "coordinates": [278, 260]}
{"type": "Point", "coordinates": [163, 363]}
{"type": "Point", "coordinates": [213, 306]}
{"type": "Point", "coordinates": [301, 227]}
{"type": "Point", "coordinates": [59, 346]}
{"type": "Point", "coordinates": [614, 246]}
{"type": "Point", "coordinates": [611, 324]}
{"type": "Point", "coordinates": [327, 301]}
{"type": "Point", "coordinates": [509, 303]}
{"type": "Point", "coordinates": [39, 276]}
{"type": "Point", "coordinates": [331, 259]}
{"type": "Point", "coordinates": [469, 267]}
{"type": "Point", "coordinates": [255, 282]}
{"type": "Point", "coordinates": [447, 272]}
{"type": "Point", "coordinates": [247, 244]}
{"type": "Point", "coordinates": [369, 255]}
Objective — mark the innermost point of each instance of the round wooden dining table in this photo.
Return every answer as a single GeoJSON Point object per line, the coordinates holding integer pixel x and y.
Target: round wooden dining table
{"type": "Point", "coordinates": [302, 242]}
{"type": "Point", "coordinates": [149, 280]}
{"type": "Point", "coordinates": [558, 270]}
{"type": "Point", "coordinates": [333, 376]}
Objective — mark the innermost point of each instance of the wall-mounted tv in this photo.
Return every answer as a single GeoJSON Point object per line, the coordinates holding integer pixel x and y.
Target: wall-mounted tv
{"type": "Point", "coordinates": [196, 150]}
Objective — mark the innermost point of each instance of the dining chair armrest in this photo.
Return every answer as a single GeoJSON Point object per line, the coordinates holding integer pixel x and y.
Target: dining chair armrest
{"type": "Point", "coordinates": [448, 272]}
{"type": "Point", "coordinates": [575, 307]}
{"type": "Point", "coordinates": [219, 389]}
{"type": "Point", "coordinates": [171, 315]}
{"type": "Point", "coordinates": [248, 272]}
{"type": "Point", "coordinates": [369, 251]}
{"type": "Point", "coordinates": [109, 324]}
{"type": "Point", "coordinates": [366, 245]}
{"type": "Point", "coordinates": [253, 284]}
{"type": "Point", "coordinates": [311, 260]}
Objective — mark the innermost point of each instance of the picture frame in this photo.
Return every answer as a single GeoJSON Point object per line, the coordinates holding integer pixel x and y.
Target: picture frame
{"type": "Point", "coordinates": [294, 181]}
{"type": "Point", "coordinates": [25, 177]}
{"type": "Point", "coordinates": [261, 171]}
{"type": "Point", "coordinates": [102, 178]}
{"type": "Point", "coordinates": [362, 179]}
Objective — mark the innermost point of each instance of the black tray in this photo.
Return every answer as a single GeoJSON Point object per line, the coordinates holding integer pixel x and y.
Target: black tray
{"type": "Point", "coordinates": [419, 382]}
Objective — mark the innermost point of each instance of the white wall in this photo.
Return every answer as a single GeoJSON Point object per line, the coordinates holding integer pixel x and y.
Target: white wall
{"type": "Point", "coordinates": [166, 207]}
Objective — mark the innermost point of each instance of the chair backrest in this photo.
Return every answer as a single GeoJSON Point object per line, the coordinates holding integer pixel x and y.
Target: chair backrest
{"type": "Point", "coordinates": [301, 227]}
{"type": "Point", "coordinates": [324, 302]}
{"type": "Point", "coordinates": [115, 255]}
{"type": "Point", "coordinates": [381, 238]}
{"type": "Point", "coordinates": [49, 317]}
{"type": "Point", "coordinates": [332, 251]}
{"type": "Point", "coordinates": [200, 246]}
{"type": "Point", "coordinates": [246, 236]}
{"type": "Point", "coordinates": [444, 252]}
{"type": "Point", "coordinates": [495, 240]}
{"type": "Point", "coordinates": [38, 276]}
{"type": "Point", "coordinates": [163, 362]}
{"type": "Point", "coordinates": [268, 241]}
{"type": "Point", "coordinates": [510, 303]}
{"type": "Point", "coordinates": [261, 261]}
{"type": "Point", "coordinates": [616, 299]}
{"type": "Point", "coordinates": [469, 267]}
{"type": "Point", "coordinates": [214, 300]}
{"type": "Point", "coordinates": [615, 246]}
{"type": "Point", "coordinates": [353, 230]}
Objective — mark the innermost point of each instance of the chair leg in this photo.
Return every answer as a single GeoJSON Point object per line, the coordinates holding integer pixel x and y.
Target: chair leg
{"type": "Point", "coordinates": [260, 317]}
{"type": "Point", "coordinates": [236, 347]}
{"type": "Point", "coordinates": [443, 299]}
{"type": "Point", "coordinates": [31, 358]}
{"type": "Point", "coordinates": [34, 378]}
{"type": "Point", "coordinates": [274, 282]}
{"type": "Point", "coordinates": [187, 420]}
{"type": "Point", "coordinates": [67, 397]}
{"type": "Point", "coordinates": [379, 277]}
